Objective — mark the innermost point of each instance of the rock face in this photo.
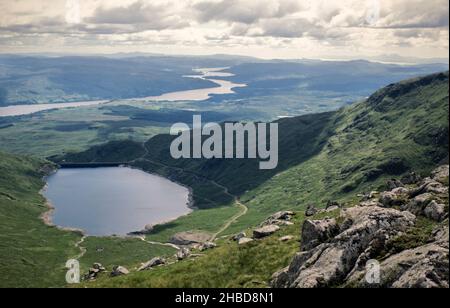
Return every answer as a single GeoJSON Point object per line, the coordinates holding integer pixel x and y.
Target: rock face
{"type": "Point", "coordinates": [319, 231]}
{"type": "Point", "coordinates": [423, 267]}
{"type": "Point", "coordinates": [324, 264]}
{"type": "Point", "coordinates": [428, 199]}
{"type": "Point", "coordinates": [441, 174]}
{"type": "Point", "coordinates": [265, 231]}
{"type": "Point", "coordinates": [337, 252]}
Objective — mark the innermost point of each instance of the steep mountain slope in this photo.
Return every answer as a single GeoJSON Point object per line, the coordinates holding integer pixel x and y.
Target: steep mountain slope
{"type": "Point", "coordinates": [323, 157]}
{"type": "Point", "coordinates": [31, 253]}
{"type": "Point", "coordinates": [335, 246]}
{"type": "Point", "coordinates": [331, 156]}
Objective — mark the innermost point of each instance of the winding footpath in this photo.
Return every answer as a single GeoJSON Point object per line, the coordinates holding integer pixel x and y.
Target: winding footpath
{"type": "Point", "coordinates": [82, 249]}
{"type": "Point", "coordinates": [228, 223]}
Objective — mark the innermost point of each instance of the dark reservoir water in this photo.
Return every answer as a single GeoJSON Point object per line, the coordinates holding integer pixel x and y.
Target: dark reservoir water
{"type": "Point", "coordinates": [113, 201]}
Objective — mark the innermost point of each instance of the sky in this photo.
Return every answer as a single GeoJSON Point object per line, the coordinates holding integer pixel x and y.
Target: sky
{"type": "Point", "coordinates": [316, 29]}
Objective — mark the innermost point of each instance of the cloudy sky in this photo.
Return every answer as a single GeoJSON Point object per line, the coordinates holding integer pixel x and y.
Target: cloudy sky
{"type": "Point", "coordinates": [264, 28]}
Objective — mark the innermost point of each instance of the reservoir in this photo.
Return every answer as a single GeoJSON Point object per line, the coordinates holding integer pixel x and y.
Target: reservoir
{"type": "Point", "coordinates": [113, 200]}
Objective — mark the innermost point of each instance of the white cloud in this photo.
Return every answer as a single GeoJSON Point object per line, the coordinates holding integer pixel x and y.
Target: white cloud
{"type": "Point", "coordinates": [269, 28]}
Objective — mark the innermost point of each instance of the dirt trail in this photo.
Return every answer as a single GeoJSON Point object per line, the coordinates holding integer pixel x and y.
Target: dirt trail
{"type": "Point", "coordinates": [83, 250]}
{"type": "Point", "coordinates": [228, 223]}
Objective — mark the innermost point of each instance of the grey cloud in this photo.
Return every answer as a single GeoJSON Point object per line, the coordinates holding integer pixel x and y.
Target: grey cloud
{"type": "Point", "coordinates": [145, 16]}
{"type": "Point", "coordinates": [243, 11]}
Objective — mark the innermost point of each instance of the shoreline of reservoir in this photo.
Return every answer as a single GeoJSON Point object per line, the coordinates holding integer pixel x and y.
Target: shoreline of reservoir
{"type": "Point", "coordinates": [48, 217]}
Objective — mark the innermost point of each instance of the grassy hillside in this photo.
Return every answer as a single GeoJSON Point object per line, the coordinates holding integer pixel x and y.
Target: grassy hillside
{"type": "Point", "coordinates": [323, 157]}
{"type": "Point", "coordinates": [31, 253]}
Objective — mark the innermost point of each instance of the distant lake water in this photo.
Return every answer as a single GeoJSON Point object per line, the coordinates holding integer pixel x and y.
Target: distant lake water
{"type": "Point", "coordinates": [113, 201]}
{"type": "Point", "coordinates": [18, 110]}
{"type": "Point", "coordinates": [210, 74]}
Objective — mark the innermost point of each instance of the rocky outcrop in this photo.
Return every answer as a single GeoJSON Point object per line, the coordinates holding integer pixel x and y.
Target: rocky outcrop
{"type": "Point", "coordinates": [282, 218]}
{"type": "Point", "coordinates": [207, 246]}
{"type": "Point", "coordinates": [441, 174]}
{"type": "Point", "coordinates": [364, 229]}
{"type": "Point", "coordinates": [119, 271]}
{"type": "Point", "coordinates": [245, 240]}
{"type": "Point", "coordinates": [311, 210]}
{"type": "Point", "coordinates": [239, 236]}
{"type": "Point", "coordinates": [183, 254]}
{"type": "Point", "coordinates": [94, 271]}
{"type": "Point", "coordinates": [423, 267]}
{"type": "Point", "coordinates": [393, 184]}
{"type": "Point", "coordinates": [317, 232]}
{"type": "Point", "coordinates": [411, 178]}
{"type": "Point", "coordinates": [428, 198]}
{"type": "Point", "coordinates": [336, 252]}
{"type": "Point", "coordinates": [151, 264]}
{"type": "Point", "coordinates": [265, 231]}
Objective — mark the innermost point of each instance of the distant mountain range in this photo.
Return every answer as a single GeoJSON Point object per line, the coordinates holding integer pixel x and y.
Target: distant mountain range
{"type": "Point", "coordinates": [47, 79]}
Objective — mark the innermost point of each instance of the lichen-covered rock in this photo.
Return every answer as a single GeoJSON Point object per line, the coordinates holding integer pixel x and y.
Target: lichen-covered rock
{"type": "Point", "coordinates": [265, 231]}
{"type": "Point", "coordinates": [283, 215]}
{"type": "Point", "coordinates": [418, 204]}
{"type": "Point", "coordinates": [411, 178]}
{"type": "Point", "coordinates": [189, 238]}
{"type": "Point", "coordinates": [337, 254]}
{"type": "Point", "coordinates": [364, 230]}
{"type": "Point", "coordinates": [311, 210]}
{"type": "Point", "coordinates": [207, 246]}
{"type": "Point", "coordinates": [151, 264]}
{"type": "Point", "coordinates": [119, 271]}
{"type": "Point", "coordinates": [280, 218]}
{"type": "Point", "coordinates": [392, 184]}
{"type": "Point", "coordinates": [183, 254]}
{"type": "Point", "coordinates": [370, 203]}
{"type": "Point", "coordinates": [391, 199]}
{"type": "Point", "coordinates": [441, 174]}
{"type": "Point", "coordinates": [237, 237]}
{"type": "Point", "coordinates": [422, 267]}
{"type": "Point", "coordinates": [318, 231]}
{"type": "Point", "coordinates": [245, 240]}
{"type": "Point", "coordinates": [435, 211]}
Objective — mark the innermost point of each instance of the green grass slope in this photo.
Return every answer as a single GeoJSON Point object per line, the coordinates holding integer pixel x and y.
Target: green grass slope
{"type": "Point", "coordinates": [31, 253]}
{"type": "Point", "coordinates": [335, 155]}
